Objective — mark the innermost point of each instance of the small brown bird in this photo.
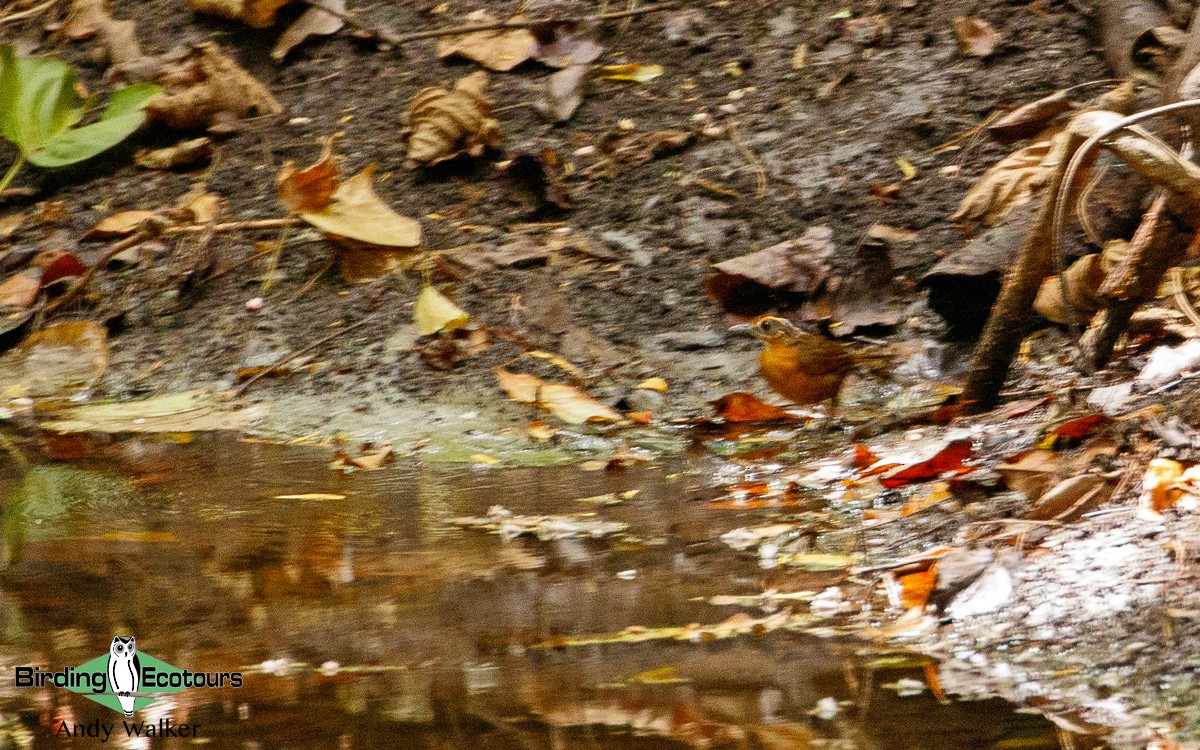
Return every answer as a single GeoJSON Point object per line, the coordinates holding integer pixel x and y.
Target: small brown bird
{"type": "Point", "coordinates": [802, 367]}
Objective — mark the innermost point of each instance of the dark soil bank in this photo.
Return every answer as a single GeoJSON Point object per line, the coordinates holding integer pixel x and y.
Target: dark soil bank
{"type": "Point", "coordinates": [625, 298]}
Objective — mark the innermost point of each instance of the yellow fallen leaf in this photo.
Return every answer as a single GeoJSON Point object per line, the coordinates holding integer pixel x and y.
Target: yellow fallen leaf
{"type": "Point", "coordinates": [484, 458]}
{"type": "Point", "coordinates": [906, 168]}
{"type": "Point", "coordinates": [311, 496]}
{"type": "Point", "coordinates": [631, 72]}
{"type": "Point", "coordinates": [653, 384]}
{"type": "Point", "coordinates": [434, 312]}
{"type": "Point", "coordinates": [557, 361]}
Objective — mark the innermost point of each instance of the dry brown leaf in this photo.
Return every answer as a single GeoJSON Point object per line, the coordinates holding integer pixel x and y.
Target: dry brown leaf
{"type": "Point", "coordinates": [311, 188]}
{"type": "Point", "coordinates": [206, 86]}
{"type": "Point", "coordinates": [120, 224]}
{"type": "Point", "coordinates": [202, 208]}
{"type": "Point", "coordinates": [356, 212]}
{"type": "Point", "coordinates": [975, 37]}
{"type": "Point", "coordinates": [1083, 281]}
{"type": "Point", "coordinates": [185, 154]}
{"type": "Point", "coordinates": [781, 274]}
{"type": "Point", "coordinates": [502, 49]}
{"type": "Point", "coordinates": [90, 18]}
{"type": "Point", "coordinates": [1011, 182]}
{"type": "Point", "coordinates": [257, 13]}
{"type": "Point", "coordinates": [1031, 473]}
{"type": "Point", "coordinates": [1029, 119]}
{"type": "Point", "coordinates": [313, 22]}
{"type": "Point", "coordinates": [444, 124]}
{"type": "Point", "coordinates": [566, 402]}
{"type": "Point", "coordinates": [84, 19]}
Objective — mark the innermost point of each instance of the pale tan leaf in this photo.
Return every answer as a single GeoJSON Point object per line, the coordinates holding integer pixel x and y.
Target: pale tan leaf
{"type": "Point", "coordinates": [502, 49]}
{"type": "Point", "coordinates": [434, 312]}
{"type": "Point", "coordinates": [445, 124]}
{"type": "Point", "coordinates": [357, 212]}
{"type": "Point", "coordinates": [120, 224]}
{"type": "Point", "coordinates": [313, 22]}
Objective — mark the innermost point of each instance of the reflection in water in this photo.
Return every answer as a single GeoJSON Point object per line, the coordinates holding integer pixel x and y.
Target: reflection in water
{"type": "Point", "coordinates": [372, 622]}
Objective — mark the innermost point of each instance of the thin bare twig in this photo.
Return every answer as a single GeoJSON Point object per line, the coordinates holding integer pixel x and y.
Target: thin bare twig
{"type": "Point", "coordinates": [14, 17]}
{"type": "Point", "coordinates": [760, 172]}
{"type": "Point", "coordinates": [291, 357]}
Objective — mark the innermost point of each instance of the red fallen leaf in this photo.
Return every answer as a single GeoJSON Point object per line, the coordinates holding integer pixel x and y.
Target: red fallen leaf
{"type": "Point", "coordinates": [949, 458]}
{"type": "Point", "coordinates": [743, 407]}
{"type": "Point", "coordinates": [64, 266]}
{"type": "Point", "coordinates": [863, 457]}
{"type": "Point", "coordinates": [1080, 428]}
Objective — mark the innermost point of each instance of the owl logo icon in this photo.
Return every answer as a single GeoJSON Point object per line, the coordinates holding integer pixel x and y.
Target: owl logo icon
{"type": "Point", "coordinates": [124, 670]}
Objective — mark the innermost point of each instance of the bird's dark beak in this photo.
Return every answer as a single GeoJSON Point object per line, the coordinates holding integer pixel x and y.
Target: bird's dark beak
{"type": "Point", "coordinates": [742, 329]}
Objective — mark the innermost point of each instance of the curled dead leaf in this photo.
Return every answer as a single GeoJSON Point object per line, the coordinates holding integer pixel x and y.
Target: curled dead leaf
{"type": "Point", "coordinates": [206, 86]}
{"type": "Point", "coordinates": [311, 188]}
{"type": "Point", "coordinates": [563, 93]}
{"type": "Point", "coordinates": [89, 19]}
{"type": "Point", "coordinates": [1083, 280]}
{"type": "Point", "coordinates": [120, 224]}
{"type": "Point", "coordinates": [1029, 119]}
{"type": "Point", "coordinates": [1011, 182]}
{"type": "Point", "coordinates": [445, 124]}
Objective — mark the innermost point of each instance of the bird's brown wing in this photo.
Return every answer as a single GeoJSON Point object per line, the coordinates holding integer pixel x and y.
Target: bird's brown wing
{"type": "Point", "coordinates": [816, 356]}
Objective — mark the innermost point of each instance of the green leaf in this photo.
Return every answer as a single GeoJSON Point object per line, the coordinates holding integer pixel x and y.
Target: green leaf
{"type": "Point", "coordinates": [123, 115]}
{"type": "Point", "coordinates": [39, 109]}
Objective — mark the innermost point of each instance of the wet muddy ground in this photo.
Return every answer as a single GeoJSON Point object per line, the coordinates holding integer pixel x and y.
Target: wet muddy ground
{"type": "Point", "coordinates": [372, 621]}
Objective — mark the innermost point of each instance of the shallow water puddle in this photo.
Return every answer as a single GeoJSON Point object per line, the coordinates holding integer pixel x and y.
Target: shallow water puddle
{"type": "Point", "coordinates": [360, 616]}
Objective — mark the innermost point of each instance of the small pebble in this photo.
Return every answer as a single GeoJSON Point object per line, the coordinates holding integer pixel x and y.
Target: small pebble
{"type": "Point", "coordinates": [254, 304]}
{"type": "Point", "coordinates": [627, 575]}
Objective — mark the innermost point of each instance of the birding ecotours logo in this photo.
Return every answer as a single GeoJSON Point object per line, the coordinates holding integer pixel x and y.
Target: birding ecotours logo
{"type": "Point", "coordinates": [124, 679]}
